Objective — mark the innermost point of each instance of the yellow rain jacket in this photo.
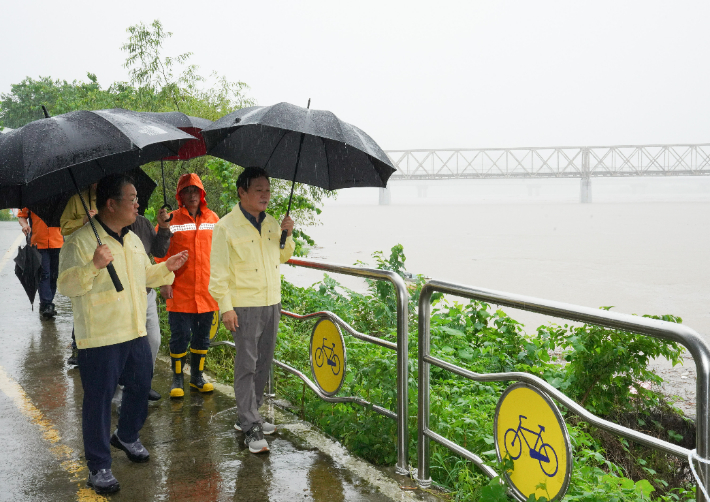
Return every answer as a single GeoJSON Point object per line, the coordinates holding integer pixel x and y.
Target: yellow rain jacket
{"type": "Point", "coordinates": [101, 315]}
{"type": "Point", "coordinates": [72, 218]}
{"type": "Point", "coordinates": [244, 266]}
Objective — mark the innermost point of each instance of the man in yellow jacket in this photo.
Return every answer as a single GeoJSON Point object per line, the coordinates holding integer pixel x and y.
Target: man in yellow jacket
{"type": "Point", "coordinates": [110, 326]}
{"type": "Point", "coordinates": [245, 280]}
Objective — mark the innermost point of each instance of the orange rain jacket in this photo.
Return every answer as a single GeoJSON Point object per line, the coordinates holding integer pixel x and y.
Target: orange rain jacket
{"type": "Point", "coordinates": [43, 237]}
{"type": "Point", "coordinates": [190, 292]}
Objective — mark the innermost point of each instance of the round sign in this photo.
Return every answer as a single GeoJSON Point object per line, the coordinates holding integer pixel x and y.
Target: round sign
{"type": "Point", "coordinates": [530, 431]}
{"type": "Point", "coordinates": [327, 356]}
{"type": "Point", "coordinates": [215, 324]}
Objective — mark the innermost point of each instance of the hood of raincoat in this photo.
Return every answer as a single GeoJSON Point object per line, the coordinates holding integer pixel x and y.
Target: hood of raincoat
{"type": "Point", "coordinates": [187, 180]}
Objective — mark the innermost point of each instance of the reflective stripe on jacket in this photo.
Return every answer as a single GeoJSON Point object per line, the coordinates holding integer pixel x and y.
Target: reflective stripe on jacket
{"type": "Point", "coordinates": [43, 237]}
{"type": "Point", "coordinates": [101, 315]}
{"type": "Point", "coordinates": [245, 265]}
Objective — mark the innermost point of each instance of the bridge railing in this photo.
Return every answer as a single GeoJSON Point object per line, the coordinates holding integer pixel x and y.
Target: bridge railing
{"type": "Point", "coordinates": [401, 348]}
{"type": "Point", "coordinates": [553, 162]}
{"type": "Point", "coordinates": [695, 344]}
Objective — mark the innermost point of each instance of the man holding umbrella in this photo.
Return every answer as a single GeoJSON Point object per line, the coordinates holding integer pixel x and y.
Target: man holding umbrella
{"type": "Point", "coordinates": [110, 325]}
{"type": "Point", "coordinates": [246, 282]}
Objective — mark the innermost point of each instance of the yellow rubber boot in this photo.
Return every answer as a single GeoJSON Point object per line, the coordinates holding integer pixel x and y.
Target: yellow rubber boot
{"type": "Point", "coordinates": [197, 365]}
{"type": "Point", "coordinates": [178, 362]}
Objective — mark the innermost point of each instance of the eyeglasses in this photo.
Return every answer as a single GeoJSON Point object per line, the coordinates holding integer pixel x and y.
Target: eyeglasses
{"type": "Point", "coordinates": [133, 200]}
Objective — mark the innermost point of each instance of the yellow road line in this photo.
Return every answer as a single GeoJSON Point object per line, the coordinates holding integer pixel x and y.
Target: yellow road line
{"type": "Point", "coordinates": [68, 458]}
{"type": "Point", "coordinates": [9, 253]}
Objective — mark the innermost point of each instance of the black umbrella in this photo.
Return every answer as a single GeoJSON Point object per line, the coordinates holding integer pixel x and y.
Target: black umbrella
{"type": "Point", "coordinates": [28, 265]}
{"type": "Point", "coordinates": [56, 155]}
{"type": "Point", "coordinates": [301, 145]}
{"type": "Point", "coordinates": [51, 208]}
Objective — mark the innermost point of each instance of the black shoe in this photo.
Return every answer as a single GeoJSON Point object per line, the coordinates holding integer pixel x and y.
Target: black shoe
{"type": "Point", "coordinates": [153, 395]}
{"type": "Point", "coordinates": [102, 481]}
{"type": "Point", "coordinates": [135, 451]}
{"type": "Point", "coordinates": [73, 358]}
{"type": "Point", "coordinates": [51, 311]}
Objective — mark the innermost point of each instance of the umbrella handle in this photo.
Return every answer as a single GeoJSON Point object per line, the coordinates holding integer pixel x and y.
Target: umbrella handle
{"type": "Point", "coordinates": [114, 278]}
{"type": "Point", "coordinates": [166, 205]}
{"type": "Point", "coordinates": [284, 234]}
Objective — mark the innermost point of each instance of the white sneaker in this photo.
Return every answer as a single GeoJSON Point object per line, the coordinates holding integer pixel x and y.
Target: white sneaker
{"type": "Point", "coordinates": [254, 439]}
{"type": "Point", "coordinates": [266, 428]}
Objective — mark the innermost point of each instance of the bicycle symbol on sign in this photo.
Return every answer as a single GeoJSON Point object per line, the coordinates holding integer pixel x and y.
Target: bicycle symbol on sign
{"type": "Point", "coordinates": [545, 454]}
{"type": "Point", "coordinates": [330, 356]}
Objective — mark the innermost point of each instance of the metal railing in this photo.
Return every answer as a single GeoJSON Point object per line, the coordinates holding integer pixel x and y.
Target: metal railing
{"type": "Point", "coordinates": [401, 348]}
{"type": "Point", "coordinates": [690, 339]}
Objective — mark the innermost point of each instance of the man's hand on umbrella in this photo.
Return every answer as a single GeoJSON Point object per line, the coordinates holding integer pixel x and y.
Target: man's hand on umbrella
{"type": "Point", "coordinates": [287, 224]}
{"type": "Point", "coordinates": [163, 218]}
{"type": "Point", "coordinates": [176, 261]}
{"type": "Point", "coordinates": [102, 256]}
{"type": "Point", "coordinates": [26, 229]}
{"type": "Point", "coordinates": [166, 291]}
{"type": "Point", "coordinates": [92, 213]}
{"type": "Point", "coordinates": [230, 320]}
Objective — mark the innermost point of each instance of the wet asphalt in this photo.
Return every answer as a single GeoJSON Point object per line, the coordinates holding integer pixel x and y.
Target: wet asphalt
{"type": "Point", "coordinates": [196, 455]}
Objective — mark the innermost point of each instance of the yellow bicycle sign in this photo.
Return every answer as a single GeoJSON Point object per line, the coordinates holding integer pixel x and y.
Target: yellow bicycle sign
{"type": "Point", "coordinates": [530, 431]}
{"type": "Point", "coordinates": [327, 356]}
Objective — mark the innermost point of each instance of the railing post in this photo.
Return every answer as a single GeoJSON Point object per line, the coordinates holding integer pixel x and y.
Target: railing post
{"type": "Point", "coordinates": [400, 289]}
{"type": "Point", "coordinates": [423, 474]}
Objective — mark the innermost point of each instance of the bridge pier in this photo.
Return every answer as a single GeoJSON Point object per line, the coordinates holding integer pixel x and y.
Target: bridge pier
{"type": "Point", "coordinates": [385, 196]}
{"type": "Point", "coordinates": [585, 194]}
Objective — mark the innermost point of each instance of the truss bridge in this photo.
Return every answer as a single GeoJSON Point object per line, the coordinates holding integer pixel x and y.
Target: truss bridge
{"type": "Point", "coordinates": [583, 162]}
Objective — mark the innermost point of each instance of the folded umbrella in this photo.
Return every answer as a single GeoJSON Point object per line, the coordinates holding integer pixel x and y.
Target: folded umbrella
{"type": "Point", "coordinates": [28, 265]}
{"type": "Point", "coordinates": [300, 145]}
{"type": "Point", "coordinates": [57, 155]}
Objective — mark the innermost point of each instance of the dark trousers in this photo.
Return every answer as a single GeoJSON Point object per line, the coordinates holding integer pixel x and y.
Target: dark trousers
{"type": "Point", "coordinates": [102, 368]}
{"type": "Point", "coordinates": [189, 328]}
{"type": "Point", "coordinates": [48, 275]}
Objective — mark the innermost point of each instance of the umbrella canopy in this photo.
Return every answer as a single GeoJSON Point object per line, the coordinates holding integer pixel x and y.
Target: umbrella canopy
{"type": "Point", "coordinates": [51, 208]}
{"type": "Point", "coordinates": [191, 125]}
{"type": "Point", "coordinates": [28, 264]}
{"type": "Point", "coordinates": [39, 159]}
{"type": "Point", "coordinates": [299, 144]}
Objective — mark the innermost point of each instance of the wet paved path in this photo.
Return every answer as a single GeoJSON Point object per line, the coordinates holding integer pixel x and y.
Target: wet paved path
{"type": "Point", "coordinates": [196, 455]}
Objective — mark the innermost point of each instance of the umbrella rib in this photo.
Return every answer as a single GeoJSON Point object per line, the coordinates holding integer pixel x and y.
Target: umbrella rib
{"type": "Point", "coordinates": [274, 150]}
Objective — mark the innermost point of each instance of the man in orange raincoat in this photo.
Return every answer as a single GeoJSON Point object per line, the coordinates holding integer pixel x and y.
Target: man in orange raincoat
{"type": "Point", "coordinates": [191, 308]}
{"type": "Point", "coordinates": [49, 242]}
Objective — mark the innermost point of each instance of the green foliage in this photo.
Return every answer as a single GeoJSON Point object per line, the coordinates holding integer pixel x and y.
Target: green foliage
{"type": "Point", "coordinates": [606, 367]}
{"type": "Point", "coordinates": [6, 215]}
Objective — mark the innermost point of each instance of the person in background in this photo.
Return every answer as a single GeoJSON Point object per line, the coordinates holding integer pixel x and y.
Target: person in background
{"type": "Point", "coordinates": [73, 218]}
{"type": "Point", "coordinates": [191, 308]}
{"type": "Point", "coordinates": [245, 279]}
{"type": "Point", "coordinates": [49, 242]}
{"type": "Point", "coordinates": [110, 325]}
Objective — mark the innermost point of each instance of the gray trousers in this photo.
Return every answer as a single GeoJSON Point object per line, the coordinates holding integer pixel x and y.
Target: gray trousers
{"type": "Point", "coordinates": [152, 325]}
{"type": "Point", "coordinates": [255, 340]}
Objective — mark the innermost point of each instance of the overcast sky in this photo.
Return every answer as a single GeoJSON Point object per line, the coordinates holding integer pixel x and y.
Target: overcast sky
{"type": "Point", "coordinates": [462, 74]}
